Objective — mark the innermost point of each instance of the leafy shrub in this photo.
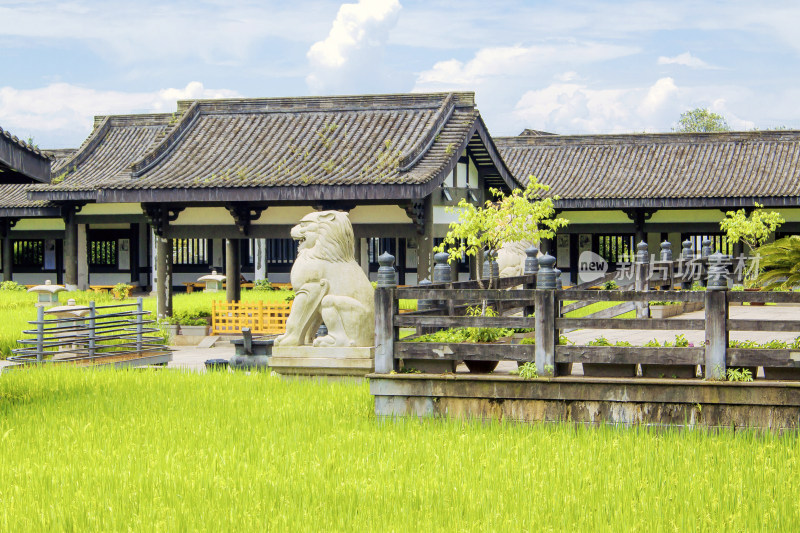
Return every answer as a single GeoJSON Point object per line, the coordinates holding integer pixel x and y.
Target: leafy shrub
{"type": "Point", "coordinates": [121, 291]}
{"type": "Point", "coordinates": [11, 286]}
{"type": "Point", "coordinates": [739, 374]}
{"type": "Point", "coordinates": [599, 341]}
{"type": "Point", "coordinates": [262, 285]}
{"type": "Point", "coordinates": [526, 371]}
{"type": "Point", "coordinates": [610, 285]}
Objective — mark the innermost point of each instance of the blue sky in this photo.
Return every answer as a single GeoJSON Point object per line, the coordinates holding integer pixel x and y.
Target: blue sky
{"type": "Point", "coordinates": [566, 67]}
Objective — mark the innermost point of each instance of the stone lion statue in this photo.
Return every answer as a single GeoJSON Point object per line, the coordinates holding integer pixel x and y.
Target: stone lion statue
{"type": "Point", "coordinates": [330, 287]}
{"type": "Point", "coordinates": [511, 258]}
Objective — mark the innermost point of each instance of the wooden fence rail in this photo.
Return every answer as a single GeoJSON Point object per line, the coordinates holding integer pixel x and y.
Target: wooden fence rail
{"type": "Point", "coordinates": [261, 317]}
{"type": "Point", "coordinates": [537, 293]}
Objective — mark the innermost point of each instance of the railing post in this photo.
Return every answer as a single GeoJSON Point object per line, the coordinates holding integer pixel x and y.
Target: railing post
{"type": "Point", "coordinates": [139, 324]}
{"type": "Point", "coordinates": [531, 261]}
{"type": "Point", "coordinates": [705, 252]}
{"type": "Point", "coordinates": [385, 311]}
{"type": "Point", "coordinates": [686, 262]}
{"type": "Point", "coordinates": [642, 281]}
{"type": "Point", "coordinates": [716, 317]}
{"type": "Point", "coordinates": [91, 329]}
{"type": "Point", "coordinates": [666, 259]}
{"type": "Point", "coordinates": [442, 273]}
{"type": "Point", "coordinates": [545, 321]}
{"type": "Point", "coordinates": [39, 334]}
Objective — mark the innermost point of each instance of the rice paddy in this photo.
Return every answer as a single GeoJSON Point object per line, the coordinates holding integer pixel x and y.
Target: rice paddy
{"type": "Point", "coordinates": [165, 450]}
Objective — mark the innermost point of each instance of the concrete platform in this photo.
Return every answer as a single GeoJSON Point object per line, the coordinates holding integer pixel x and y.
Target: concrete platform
{"type": "Point", "coordinates": [762, 404]}
{"type": "Point", "coordinates": [311, 361]}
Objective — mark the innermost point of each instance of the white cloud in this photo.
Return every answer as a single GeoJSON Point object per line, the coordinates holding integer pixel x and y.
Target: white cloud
{"type": "Point", "coordinates": [686, 59]}
{"type": "Point", "coordinates": [520, 62]}
{"type": "Point", "coordinates": [60, 114]}
{"type": "Point", "coordinates": [358, 32]}
{"type": "Point", "coordinates": [575, 108]}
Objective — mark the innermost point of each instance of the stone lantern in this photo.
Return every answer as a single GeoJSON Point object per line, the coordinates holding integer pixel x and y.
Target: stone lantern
{"type": "Point", "coordinates": [213, 281]}
{"type": "Point", "coordinates": [47, 294]}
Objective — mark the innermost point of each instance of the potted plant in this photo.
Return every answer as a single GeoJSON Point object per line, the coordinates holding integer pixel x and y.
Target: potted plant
{"type": "Point", "coordinates": [121, 291]}
{"type": "Point", "coordinates": [608, 370]}
{"type": "Point", "coordinates": [655, 370]}
{"type": "Point", "coordinates": [665, 309]}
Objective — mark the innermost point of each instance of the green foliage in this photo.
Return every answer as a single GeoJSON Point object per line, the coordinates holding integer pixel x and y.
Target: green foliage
{"type": "Point", "coordinates": [528, 340]}
{"type": "Point", "coordinates": [262, 285]}
{"type": "Point", "coordinates": [522, 215]}
{"type": "Point", "coordinates": [739, 374]}
{"type": "Point", "coordinates": [701, 120]}
{"type": "Point", "coordinates": [599, 341]}
{"type": "Point", "coordinates": [527, 371]}
{"type": "Point", "coordinates": [780, 264]}
{"type": "Point", "coordinates": [11, 286]}
{"type": "Point", "coordinates": [753, 230]}
{"type": "Point", "coordinates": [610, 285]}
{"type": "Point", "coordinates": [697, 286]}
{"type": "Point", "coordinates": [121, 291]}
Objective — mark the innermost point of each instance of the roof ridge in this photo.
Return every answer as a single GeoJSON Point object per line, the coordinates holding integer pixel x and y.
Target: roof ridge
{"type": "Point", "coordinates": [27, 146]}
{"type": "Point", "coordinates": [426, 140]}
{"type": "Point", "coordinates": [85, 149]}
{"type": "Point", "coordinates": [317, 104]}
{"type": "Point", "coordinates": [643, 138]}
{"type": "Point", "coordinates": [170, 140]}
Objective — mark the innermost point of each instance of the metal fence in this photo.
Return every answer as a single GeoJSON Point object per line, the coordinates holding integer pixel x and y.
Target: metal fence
{"type": "Point", "coordinates": [120, 334]}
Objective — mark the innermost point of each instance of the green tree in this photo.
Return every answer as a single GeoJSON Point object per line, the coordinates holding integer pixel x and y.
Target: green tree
{"type": "Point", "coordinates": [752, 230]}
{"type": "Point", "coordinates": [521, 215]}
{"type": "Point", "coordinates": [700, 120]}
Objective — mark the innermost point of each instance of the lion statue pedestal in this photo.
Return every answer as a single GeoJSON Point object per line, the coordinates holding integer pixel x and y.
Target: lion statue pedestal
{"type": "Point", "coordinates": [330, 288]}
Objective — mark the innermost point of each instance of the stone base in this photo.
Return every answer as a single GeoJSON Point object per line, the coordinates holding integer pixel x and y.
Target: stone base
{"type": "Point", "coordinates": [311, 361]}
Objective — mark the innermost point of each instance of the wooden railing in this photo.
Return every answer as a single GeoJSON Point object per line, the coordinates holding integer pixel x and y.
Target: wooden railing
{"type": "Point", "coordinates": [442, 307]}
{"type": "Point", "coordinates": [262, 318]}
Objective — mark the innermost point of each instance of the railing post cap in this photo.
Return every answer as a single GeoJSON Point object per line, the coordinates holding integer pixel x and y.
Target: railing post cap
{"type": "Point", "coordinates": [386, 260]}
{"type": "Point", "coordinates": [547, 261]}
{"type": "Point", "coordinates": [441, 257]}
{"type": "Point", "coordinates": [641, 247]}
{"type": "Point", "coordinates": [665, 245]}
{"type": "Point", "coordinates": [532, 251]}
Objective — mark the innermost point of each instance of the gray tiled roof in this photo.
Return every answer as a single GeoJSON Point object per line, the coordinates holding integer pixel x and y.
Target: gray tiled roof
{"type": "Point", "coordinates": [659, 166]}
{"type": "Point", "coordinates": [15, 195]}
{"type": "Point", "coordinates": [269, 142]}
{"type": "Point", "coordinates": [107, 154]}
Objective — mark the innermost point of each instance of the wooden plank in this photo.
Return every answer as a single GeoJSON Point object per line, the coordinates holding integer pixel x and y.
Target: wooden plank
{"type": "Point", "coordinates": [385, 334]}
{"type": "Point", "coordinates": [460, 352]}
{"type": "Point", "coordinates": [631, 323]}
{"type": "Point", "coordinates": [499, 283]}
{"type": "Point", "coordinates": [466, 294]}
{"type": "Point", "coordinates": [716, 334]}
{"type": "Point", "coordinates": [761, 357]}
{"type": "Point", "coordinates": [405, 320]}
{"type": "Point", "coordinates": [630, 296]}
{"type": "Point", "coordinates": [629, 355]}
{"type": "Point", "coordinates": [766, 297]}
{"type": "Point", "coordinates": [792, 326]}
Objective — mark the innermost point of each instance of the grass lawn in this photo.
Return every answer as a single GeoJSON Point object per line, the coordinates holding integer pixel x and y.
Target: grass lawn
{"type": "Point", "coordinates": [169, 451]}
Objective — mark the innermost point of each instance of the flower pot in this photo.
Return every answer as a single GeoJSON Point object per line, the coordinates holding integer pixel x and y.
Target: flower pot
{"type": "Point", "coordinates": [193, 331]}
{"type": "Point", "coordinates": [669, 371]}
{"type": "Point", "coordinates": [609, 370]}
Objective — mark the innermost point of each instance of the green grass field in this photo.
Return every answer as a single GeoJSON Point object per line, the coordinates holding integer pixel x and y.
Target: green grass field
{"type": "Point", "coordinates": [169, 451]}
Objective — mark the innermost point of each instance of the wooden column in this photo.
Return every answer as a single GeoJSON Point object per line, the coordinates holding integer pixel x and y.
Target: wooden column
{"type": "Point", "coordinates": [641, 280]}
{"type": "Point", "coordinates": [233, 270]}
{"type": "Point", "coordinates": [8, 252]}
{"type": "Point", "coordinates": [425, 243]}
{"type": "Point", "coordinates": [164, 276]}
{"type": "Point", "coordinates": [70, 249]}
